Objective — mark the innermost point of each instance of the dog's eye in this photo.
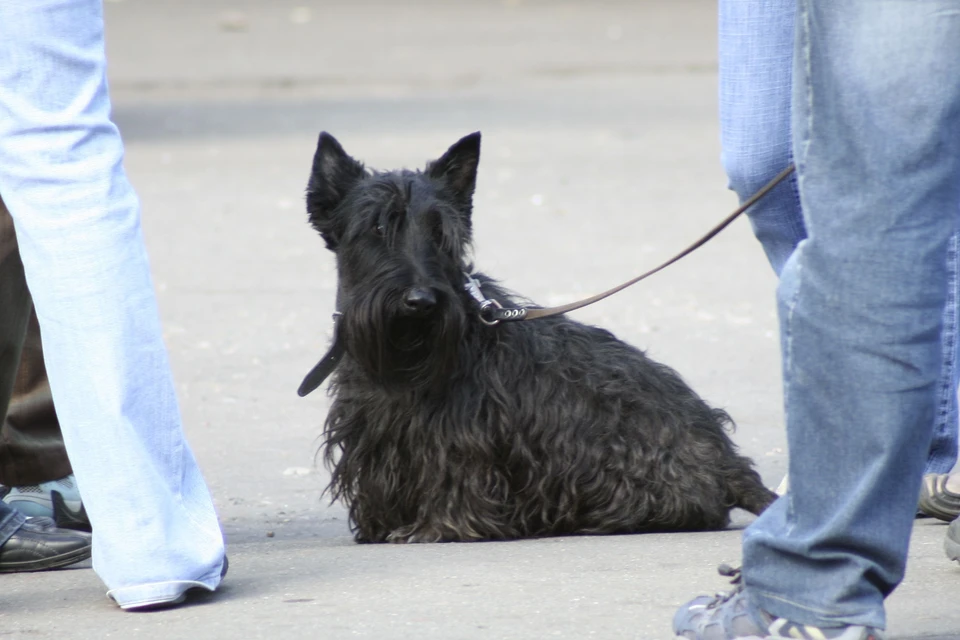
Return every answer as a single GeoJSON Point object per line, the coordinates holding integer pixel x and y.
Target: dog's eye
{"type": "Point", "coordinates": [389, 220]}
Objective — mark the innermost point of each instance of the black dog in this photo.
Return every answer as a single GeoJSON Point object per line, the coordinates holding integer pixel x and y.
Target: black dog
{"type": "Point", "coordinates": [444, 428]}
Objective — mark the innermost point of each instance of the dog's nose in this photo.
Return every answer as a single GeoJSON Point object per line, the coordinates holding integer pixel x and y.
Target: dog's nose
{"type": "Point", "coordinates": [419, 300]}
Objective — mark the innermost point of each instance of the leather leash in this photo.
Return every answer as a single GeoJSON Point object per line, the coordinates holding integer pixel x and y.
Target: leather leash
{"type": "Point", "coordinates": [492, 312]}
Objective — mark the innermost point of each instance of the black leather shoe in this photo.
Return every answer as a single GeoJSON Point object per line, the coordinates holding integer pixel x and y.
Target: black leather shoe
{"type": "Point", "coordinates": [38, 544]}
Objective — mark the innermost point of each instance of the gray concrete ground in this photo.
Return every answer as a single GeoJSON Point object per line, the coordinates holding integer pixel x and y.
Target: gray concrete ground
{"type": "Point", "coordinates": [600, 158]}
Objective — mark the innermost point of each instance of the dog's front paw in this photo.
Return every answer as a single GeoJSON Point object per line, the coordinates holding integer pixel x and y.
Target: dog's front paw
{"type": "Point", "coordinates": [412, 534]}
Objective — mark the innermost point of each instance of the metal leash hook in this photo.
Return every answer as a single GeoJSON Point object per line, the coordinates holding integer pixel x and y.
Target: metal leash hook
{"type": "Point", "coordinates": [488, 306]}
{"type": "Point", "coordinates": [488, 310]}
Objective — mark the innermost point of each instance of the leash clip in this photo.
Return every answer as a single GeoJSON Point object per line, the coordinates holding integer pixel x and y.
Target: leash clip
{"type": "Point", "coordinates": [491, 312]}
{"type": "Point", "coordinates": [488, 307]}
{"type": "Point", "coordinates": [488, 310]}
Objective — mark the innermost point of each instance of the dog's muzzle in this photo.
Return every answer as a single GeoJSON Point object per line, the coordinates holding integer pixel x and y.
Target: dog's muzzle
{"type": "Point", "coordinates": [418, 302]}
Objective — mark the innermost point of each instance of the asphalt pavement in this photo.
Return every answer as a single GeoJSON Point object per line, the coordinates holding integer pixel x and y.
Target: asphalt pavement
{"type": "Point", "coordinates": [600, 158]}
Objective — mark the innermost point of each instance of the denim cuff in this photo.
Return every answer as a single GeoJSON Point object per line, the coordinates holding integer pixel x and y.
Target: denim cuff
{"type": "Point", "coordinates": [158, 594]}
{"type": "Point", "coordinates": [815, 613]}
{"type": "Point", "coordinates": [10, 521]}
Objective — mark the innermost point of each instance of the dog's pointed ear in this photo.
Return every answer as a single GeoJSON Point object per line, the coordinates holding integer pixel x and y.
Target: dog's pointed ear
{"type": "Point", "coordinates": [334, 173]}
{"type": "Point", "coordinates": [457, 168]}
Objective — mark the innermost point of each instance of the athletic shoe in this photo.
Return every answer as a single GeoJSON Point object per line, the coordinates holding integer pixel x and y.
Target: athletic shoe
{"type": "Point", "coordinates": [731, 616]}
{"type": "Point", "coordinates": [938, 501]}
{"type": "Point", "coordinates": [57, 499]}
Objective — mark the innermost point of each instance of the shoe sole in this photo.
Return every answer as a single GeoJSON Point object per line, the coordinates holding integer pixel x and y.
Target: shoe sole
{"type": "Point", "coordinates": [871, 636]}
{"type": "Point", "coordinates": [934, 510]}
{"type": "Point", "coordinates": [55, 562]}
{"type": "Point", "coordinates": [936, 501]}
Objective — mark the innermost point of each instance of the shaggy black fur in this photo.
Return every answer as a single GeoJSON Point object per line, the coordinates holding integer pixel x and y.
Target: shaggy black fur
{"type": "Point", "coordinates": [443, 428]}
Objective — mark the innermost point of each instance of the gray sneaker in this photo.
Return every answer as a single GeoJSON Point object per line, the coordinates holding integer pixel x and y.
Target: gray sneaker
{"type": "Point", "coordinates": [936, 499]}
{"type": "Point", "coordinates": [731, 616]}
{"type": "Point", "coordinates": [57, 499]}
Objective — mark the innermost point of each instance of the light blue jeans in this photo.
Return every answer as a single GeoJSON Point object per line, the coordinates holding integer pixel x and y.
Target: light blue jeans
{"type": "Point", "coordinates": [874, 108]}
{"type": "Point", "coordinates": [756, 60]}
{"type": "Point", "coordinates": [78, 225]}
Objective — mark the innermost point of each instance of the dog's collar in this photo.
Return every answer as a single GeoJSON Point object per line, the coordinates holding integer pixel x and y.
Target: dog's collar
{"type": "Point", "coordinates": [327, 364]}
{"type": "Point", "coordinates": [322, 370]}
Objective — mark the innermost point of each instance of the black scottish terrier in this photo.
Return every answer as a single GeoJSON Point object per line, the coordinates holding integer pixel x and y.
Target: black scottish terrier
{"type": "Point", "coordinates": [445, 428]}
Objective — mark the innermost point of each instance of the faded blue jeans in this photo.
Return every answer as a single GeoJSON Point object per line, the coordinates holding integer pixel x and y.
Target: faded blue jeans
{"type": "Point", "coordinates": [10, 522]}
{"type": "Point", "coordinates": [78, 225]}
{"type": "Point", "coordinates": [874, 109]}
{"type": "Point", "coordinates": [756, 59]}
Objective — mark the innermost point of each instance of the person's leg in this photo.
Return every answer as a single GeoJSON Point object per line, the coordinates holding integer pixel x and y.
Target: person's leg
{"type": "Point", "coordinates": [10, 521]}
{"type": "Point", "coordinates": [35, 473]}
{"type": "Point", "coordinates": [756, 44]}
{"type": "Point", "coordinates": [25, 545]}
{"type": "Point", "coordinates": [31, 446]}
{"type": "Point", "coordinates": [861, 303]}
{"type": "Point", "coordinates": [754, 64]}
{"type": "Point", "coordinates": [946, 434]}
{"type": "Point", "coordinates": [78, 225]}
{"type": "Point", "coordinates": [14, 308]}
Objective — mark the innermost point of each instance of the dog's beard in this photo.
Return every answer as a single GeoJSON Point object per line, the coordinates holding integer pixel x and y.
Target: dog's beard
{"type": "Point", "coordinates": [403, 351]}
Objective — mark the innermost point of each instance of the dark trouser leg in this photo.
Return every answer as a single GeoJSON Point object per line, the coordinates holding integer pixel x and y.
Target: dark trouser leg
{"type": "Point", "coordinates": [31, 447]}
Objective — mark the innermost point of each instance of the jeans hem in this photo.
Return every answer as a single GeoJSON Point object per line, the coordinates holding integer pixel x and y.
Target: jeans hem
{"type": "Point", "coordinates": [804, 613]}
{"type": "Point", "coordinates": [159, 593]}
{"type": "Point", "coordinates": [10, 523]}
